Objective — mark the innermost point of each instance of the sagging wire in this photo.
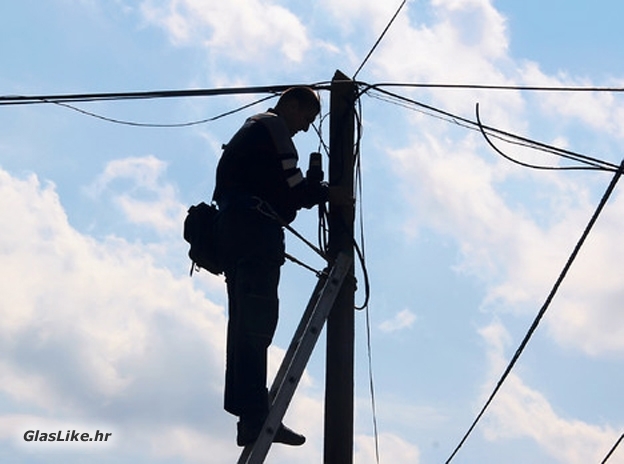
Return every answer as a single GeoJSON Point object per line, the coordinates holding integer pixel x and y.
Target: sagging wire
{"type": "Point", "coordinates": [592, 163]}
{"type": "Point", "coordinates": [543, 309]}
{"type": "Point", "coordinates": [158, 125]}
{"type": "Point", "coordinates": [499, 134]}
{"type": "Point", "coordinates": [483, 131]}
{"type": "Point", "coordinates": [64, 100]}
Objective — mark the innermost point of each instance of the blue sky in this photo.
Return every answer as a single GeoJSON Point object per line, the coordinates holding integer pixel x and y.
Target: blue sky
{"type": "Point", "coordinates": [104, 329]}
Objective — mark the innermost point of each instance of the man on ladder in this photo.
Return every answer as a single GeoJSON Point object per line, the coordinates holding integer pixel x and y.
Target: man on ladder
{"type": "Point", "coordinates": [259, 188]}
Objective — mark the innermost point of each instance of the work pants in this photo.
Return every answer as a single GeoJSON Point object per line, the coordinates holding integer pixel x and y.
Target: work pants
{"type": "Point", "coordinates": [252, 251]}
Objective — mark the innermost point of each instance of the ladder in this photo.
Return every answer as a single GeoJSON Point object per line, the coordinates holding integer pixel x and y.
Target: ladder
{"type": "Point", "coordinates": [297, 356]}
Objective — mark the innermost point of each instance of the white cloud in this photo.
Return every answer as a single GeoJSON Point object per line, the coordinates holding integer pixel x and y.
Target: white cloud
{"type": "Point", "coordinates": [392, 448]}
{"type": "Point", "coordinates": [519, 411]}
{"type": "Point", "coordinates": [402, 320]}
{"type": "Point", "coordinates": [519, 254]}
{"type": "Point", "coordinates": [94, 329]}
{"type": "Point", "coordinates": [148, 200]}
{"type": "Point", "coordinates": [515, 227]}
{"type": "Point", "coordinates": [464, 43]}
{"type": "Point", "coordinates": [241, 29]}
{"type": "Point", "coordinates": [599, 111]}
{"type": "Point", "coordinates": [588, 314]}
{"type": "Point", "coordinates": [94, 332]}
{"type": "Point", "coordinates": [368, 11]}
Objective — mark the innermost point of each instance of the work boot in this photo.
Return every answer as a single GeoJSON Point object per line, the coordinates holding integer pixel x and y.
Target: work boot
{"type": "Point", "coordinates": [287, 436]}
{"type": "Point", "coordinates": [248, 432]}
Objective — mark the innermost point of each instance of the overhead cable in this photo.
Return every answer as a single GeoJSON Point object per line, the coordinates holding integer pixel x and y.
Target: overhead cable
{"type": "Point", "coordinates": [612, 450]}
{"type": "Point", "coordinates": [148, 95]}
{"type": "Point", "coordinates": [544, 308]}
{"type": "Point", "coordinates": [517, 87]}
{"type": "Point", "coordinates": [378, 41]}
{"type": "Point", "coordinates": [161, 125]}
{"type": "Point", "coordinates": [274, 89]}
{"type": "Point", "coordinates": [379, 89]}
{"type": "Point", "coordinates": [361, 250]}
{"type": "Point", "coordinates": [512, 138]}
{"type": "Point", "coordinates": [528, 165]}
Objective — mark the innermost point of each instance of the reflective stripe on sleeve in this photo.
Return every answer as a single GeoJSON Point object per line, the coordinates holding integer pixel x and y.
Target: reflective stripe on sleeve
{"type": "Point", "coordinates": [289, 163]}
{"type": "Point", "coordinates": [295, 179]}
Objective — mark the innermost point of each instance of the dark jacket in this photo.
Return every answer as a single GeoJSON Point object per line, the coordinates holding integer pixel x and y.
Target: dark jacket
{"type": "Point", "coordinates": [261, 161]}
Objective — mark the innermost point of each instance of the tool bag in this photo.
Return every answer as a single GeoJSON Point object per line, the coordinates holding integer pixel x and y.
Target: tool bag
{"type": "Point", "coordinates": [200, 233]}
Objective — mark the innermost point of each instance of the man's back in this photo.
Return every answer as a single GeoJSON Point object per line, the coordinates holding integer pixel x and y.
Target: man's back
{"type": "Point", "coordinates": [261, 161]}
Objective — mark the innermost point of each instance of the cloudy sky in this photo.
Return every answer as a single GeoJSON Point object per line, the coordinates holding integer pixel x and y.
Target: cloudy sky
{"type": "Point", "coordinates": [103, 329]}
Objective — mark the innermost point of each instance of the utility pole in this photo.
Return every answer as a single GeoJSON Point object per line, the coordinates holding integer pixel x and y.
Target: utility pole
{"type": "Point", "coordinates": [341, 322]}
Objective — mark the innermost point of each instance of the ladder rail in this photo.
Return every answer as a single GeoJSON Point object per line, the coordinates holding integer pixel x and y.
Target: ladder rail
{"type": "Point", "coordinates": [292, 368]}
{"type": "Point", "coordinates": [299, 333]}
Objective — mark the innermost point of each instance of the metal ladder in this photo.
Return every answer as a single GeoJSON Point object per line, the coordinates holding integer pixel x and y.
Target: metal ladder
{"type": "Point", "coordinates": [297, 357]}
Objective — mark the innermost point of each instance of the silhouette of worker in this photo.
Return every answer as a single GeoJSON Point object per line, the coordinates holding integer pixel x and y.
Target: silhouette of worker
{"type": "Point", "coordinates": [259, 187]}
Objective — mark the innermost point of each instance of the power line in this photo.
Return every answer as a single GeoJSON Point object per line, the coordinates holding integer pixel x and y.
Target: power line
{"type": "Point", "coordinates": [160, 125]}
{"type": "Point", "coordinates": [521, 163]}
{"type": "Point", "coordinates": [67, 99]}
{"type": "Point", "coordinates": [6, 100]}
{"type": "Point", "coordinates": [372, 50]}
{"type": "Point", "coordinates": [542, 311]}
{"type": "Point", "coordinates": [63, 100]}
{"type": "Point", "coordinates": [361, 250]}
{"type": "Point", "coordinates": [147, 95]}
{"type": "Point", "coordinates": [526, 88]}
{"type": "Point", "coordinates": [612, 450]}
{"type": "Point", "coordinates": [511, 138]}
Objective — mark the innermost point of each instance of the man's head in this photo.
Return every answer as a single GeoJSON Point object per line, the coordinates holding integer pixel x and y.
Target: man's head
{"type": "Point", "coordinates": [299, 107]}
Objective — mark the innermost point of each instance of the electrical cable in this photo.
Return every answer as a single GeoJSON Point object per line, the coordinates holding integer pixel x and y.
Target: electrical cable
{"type": "Point", "coordinates": [358, 182]}
{"type": "Point", "coordinates": [160, 125]}
{"type": "Point", "coordinates": [407, 102]}
{"type": "Point", "coordinates": [147, 95]}
{"type": "Point", "coordinates": [511, 138]}
{"type": "Point", "coordinates": [372, 50]}
{"type": "Point", "coordinates": [521, 163]}
{"type": "Point", "coordinates": [371, 382]}
{"type": "Point", "coordinates": [528, 88]}
{"type": "Point", "coordinates": [593, 163]}
{"type": "Point", "coordinates": [544, 308]}
{"type": "Point", "coordinates": [612, 450]}
{"type": "Point", "coordinates": [375, 91]}
{"type": "Point", "coordinates": [362, 253]}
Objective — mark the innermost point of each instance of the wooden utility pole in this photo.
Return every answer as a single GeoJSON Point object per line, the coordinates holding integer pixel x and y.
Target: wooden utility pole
{"type": "Point", "coordinates": [341, 321]}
